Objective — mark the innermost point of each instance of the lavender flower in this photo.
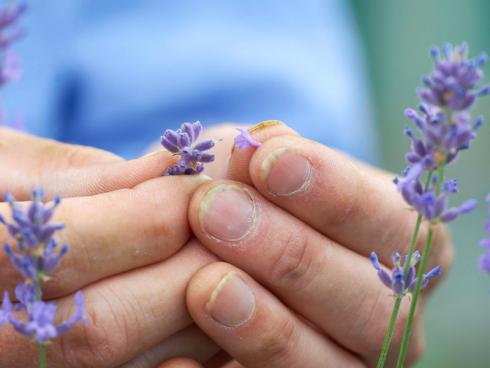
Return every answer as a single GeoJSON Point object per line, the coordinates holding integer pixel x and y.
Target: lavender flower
{"type": "Point", "coordinates": [192, 157]}
{"type": "Point", "coordinates": [245, 140]}
{"type": "Point", "coordinates": [484, 261]}
{"type": "Point", "coordinates": [454, 78]}
{"type": "Point", "coordinates": [40, 318]}
{"type": "Point", "coordinates": [4, 316]}
{"type": "Point", "coordinates": [396, 281]}
{"type": "Point", "coordinates": [431, 206]}
{"type": "Point", "coordinates": [36, 255]}
{"type": "Point", "coordinates": [441, 137]}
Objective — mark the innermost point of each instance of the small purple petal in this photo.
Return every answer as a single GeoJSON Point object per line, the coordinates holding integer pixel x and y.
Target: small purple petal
{"type": "Point", "coordinates": [245, 140]}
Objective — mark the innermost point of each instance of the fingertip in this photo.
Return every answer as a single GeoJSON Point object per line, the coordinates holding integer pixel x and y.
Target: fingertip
{"type": "Point", "coordinates": [219, 295]}
{"type": "Point", "coordinates": [180, 363]}
{"type": "Point", "coordinates": [201, 286]}
{"type": "Point", "coordinates": [261, 132]}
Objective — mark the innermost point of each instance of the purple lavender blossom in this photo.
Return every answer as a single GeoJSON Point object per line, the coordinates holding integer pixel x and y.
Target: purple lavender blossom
{"type": "Point", "coordinates": [4, 315]}
{"type": "Point", "coordinates": [440, 139]}
{"type": "Point", "coordinates": [245, 140]}
{"type": "Point", "coordinates": [484, 261]}
{"type": "Point", "coordinates": [454, 78]}
{"type": "Point", "coordinates": [40, 318]}
{"type": "Point", "coordinates": [37, 252]}
{"type": "Point", "coordinates": [396, 281]}
{"type": "Point", "coordinates": [192, 157]}
{"type": "Point", "coordinates": [32, 227]}
{"type": "Point", "coordinates": [433, 207]}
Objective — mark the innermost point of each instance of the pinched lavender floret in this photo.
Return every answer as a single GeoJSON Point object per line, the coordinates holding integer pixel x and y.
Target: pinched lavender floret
{"type": "Point", "coordinates": [192, 156]}
{"type": "Point", "coordinates": [245, 140]}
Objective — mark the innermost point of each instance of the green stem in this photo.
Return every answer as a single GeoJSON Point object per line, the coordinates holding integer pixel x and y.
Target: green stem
{"type": "Point", "coordinates": [396, 307]}
{"type": "Point", "coordinates": [38, 296]}
{"type": "Point", "coordinates": [415, 296]}
{"type": "Point", "coordinates": [42, 355]}
{"type": "Point", "coordinates": [415, 235]}
{"type": "Point", "coordinates": [389, 334]}
{"type": "Point", "coordinates": [420, 275]}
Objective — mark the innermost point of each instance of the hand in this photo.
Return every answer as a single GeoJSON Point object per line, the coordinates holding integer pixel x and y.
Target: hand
{"type": "Point", "coordinates": [124, 234]}
{"type": "Point", "coordinates": [298, 288]}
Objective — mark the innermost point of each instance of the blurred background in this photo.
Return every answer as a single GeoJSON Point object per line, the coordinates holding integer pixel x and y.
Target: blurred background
{"type": "Point", "coordinates": [396, 36]}
{"type": "Point", "coordinates": [116, 73]}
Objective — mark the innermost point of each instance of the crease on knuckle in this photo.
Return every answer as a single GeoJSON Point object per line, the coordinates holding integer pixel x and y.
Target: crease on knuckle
{"type": "Point", "coordinates": [279, 343]}
{"type": "Point", "coordinates": [372, 333]}
{"type": "Point", "coordinates": [100, 343]}
{"type": "Point", "coordinates": [165, 233]}
{"type": "Point", "coordinates": [294, 265]}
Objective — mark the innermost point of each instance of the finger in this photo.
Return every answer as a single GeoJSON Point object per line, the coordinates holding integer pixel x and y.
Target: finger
{"type": "Point", "coordinates": [253, 326]}
{"type": "Point", "coordinates": [191, 342]}
{"type": "Point", "coordinates": [127, 315]}
{"type": "Point", "coordinates": [69, 170]}
{"type": "Point", "coordinates": [332, 286]}
{"type": "Point", "coordinates": [238, 168]}
{"type": "Point", "coordinates": [114, 232]}
{"type": "Point", "coordinates": [106, 177]}
{"type": "Point", "coordinates": [180, 363]}
{"type": "Point", "coordinates": [357, 207]}
{"type": "Point", "coordinates": [220, 360]}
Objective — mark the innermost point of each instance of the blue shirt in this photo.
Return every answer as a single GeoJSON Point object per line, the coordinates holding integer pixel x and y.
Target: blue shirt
{"type": "Point", "coordinates": [116, 73]}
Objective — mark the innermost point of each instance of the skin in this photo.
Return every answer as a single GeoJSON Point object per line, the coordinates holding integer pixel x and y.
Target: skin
{"type": "Point", "coordinates": [317, 299]}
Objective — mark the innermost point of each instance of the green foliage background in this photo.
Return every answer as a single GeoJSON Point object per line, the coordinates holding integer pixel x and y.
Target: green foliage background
{"type": "Point", "coordinates": [397, 36]}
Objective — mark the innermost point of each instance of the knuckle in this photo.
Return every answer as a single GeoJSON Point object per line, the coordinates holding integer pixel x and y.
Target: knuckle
{"type": "Point", "coordinates": [163, 232]}
{"type": "Point", "coordinates": [278, 344]}
{"type": "Point", "coordinates": [100, 343]}
{"type": "Point", "coordinates": [294, 266]}
{"type": "Point", "coordinates": [375, 325]}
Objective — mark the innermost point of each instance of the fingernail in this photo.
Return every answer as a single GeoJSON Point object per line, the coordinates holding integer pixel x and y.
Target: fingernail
{"type": "Point", "coordinates": [198, 179]}
{"type": "Point", "coordinates": [286, 173]}
{"type": "Point", "coordinates": [264, 124]}
{"type": "Point", "coordinates": [232, 303]}
{"type": "Point", "coordinates": [227, 213]}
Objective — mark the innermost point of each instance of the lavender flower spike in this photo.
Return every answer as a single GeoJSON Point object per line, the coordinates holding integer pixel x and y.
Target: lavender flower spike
{"type": "Point", "coordinates": [396, 282]}
{"type": "Point", "coordinates": [192, 156]}
{"type": "Point", "coordinates": [35, 255]}
{"type": "Point", "coordinates": [452, 83]}
{"type": "Point", "coordinates": [245, 140]}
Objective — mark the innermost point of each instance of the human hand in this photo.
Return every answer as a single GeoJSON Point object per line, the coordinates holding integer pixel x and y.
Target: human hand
{"type": "Point", "coordinates": [298, 288]}
{"type": "Point", "coordinates": [121, 216]}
